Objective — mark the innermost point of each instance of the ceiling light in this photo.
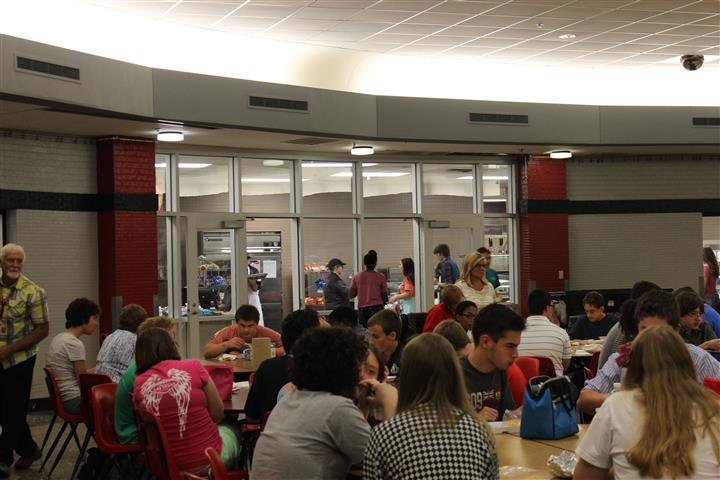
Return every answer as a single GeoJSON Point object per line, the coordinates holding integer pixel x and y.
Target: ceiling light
{"type": "Point", "coordinates": [170, 135]}
{"type": "Point", "coordinates": [273, 163]}
{"type": "Point", "coordinates": [561, 154]}
{"type": "Point", "coordinates": [265, 180]}
{"type": "Point", "coordinates": [567, 36]}
{"type": "Point", "coordinates": [362, 150]}
{"type": "Point", "coordinates": [160, 165]}
{"type": "Point", "coordinates": [194, 165]}
{"type": "Point", "coordinates": [333, 164]}
{"type": "Point", "coordinates": [495, 177]}
{"type": "Point", "coordinates": [495, 200]}
{"type": "Point", "coordinates": [466, 177]}
{"type": "Point", "coordinates": [371, 174]}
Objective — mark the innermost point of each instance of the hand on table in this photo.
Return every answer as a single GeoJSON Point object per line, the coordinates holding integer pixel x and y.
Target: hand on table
{"type": "Point", "coordinates": [234, 343]}
{"type": "Point", "coordinates": [489, 414]}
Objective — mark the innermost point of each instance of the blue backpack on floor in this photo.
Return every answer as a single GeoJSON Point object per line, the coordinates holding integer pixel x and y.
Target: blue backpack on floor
{"type": "Point", "coordinates": [548, 409]}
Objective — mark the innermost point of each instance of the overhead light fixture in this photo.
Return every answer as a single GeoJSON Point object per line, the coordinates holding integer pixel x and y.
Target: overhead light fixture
{"type": "Point", "coordinates": [561, 154]}
{"type": "Point", "coordinates": [184, 165]}
{"type": "Point", "coordinates": [372, 174]}
{"type": "Point", "coordinates": [567, 36]}
{"type": "Point", "coordinates": [265, 180]}
{"type": "Point", "coordinates": [333, 164]}
{"type": "Point", "coordinates": [362, 150]}
{"type": "Point", "coordinates": [161, 165]}
{"type": "Point", "coordinates": [170, 135]}
{"type": "Point", "coordinates": [484, 177]}
{"type": "Point", "coordinates": [273, 163]}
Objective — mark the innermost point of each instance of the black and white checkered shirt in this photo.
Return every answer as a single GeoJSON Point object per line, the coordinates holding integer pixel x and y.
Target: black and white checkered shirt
{"type": "Point", "coordinates": [412, 446]}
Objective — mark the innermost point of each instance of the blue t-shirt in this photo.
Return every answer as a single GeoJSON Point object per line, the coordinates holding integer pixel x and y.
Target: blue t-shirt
{"type": "Point", "coordinates": [712, 318]}
{"type": "Point", "coordinates": [449, 271]}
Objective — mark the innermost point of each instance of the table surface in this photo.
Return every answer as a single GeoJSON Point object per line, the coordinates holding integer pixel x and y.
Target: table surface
{"type": "Point", "coordinates": [236, 404]}
{"type": "Point", "coordinates": [579, 351]}
{"type": "Point", "coordinates": [240, 365]}
{"type": "Point", "coordinates": [532, 454]}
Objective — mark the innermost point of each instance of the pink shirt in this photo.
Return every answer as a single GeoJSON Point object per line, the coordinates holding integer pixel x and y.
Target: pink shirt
{"type": "Point", "coordinates": [173, 390]}
{"type": "Point", "coordinates": [710, 281]}
{"type": "Point", "coordinates": [407, 287]}
{"type": "Point", "coordinates": [370, 286]}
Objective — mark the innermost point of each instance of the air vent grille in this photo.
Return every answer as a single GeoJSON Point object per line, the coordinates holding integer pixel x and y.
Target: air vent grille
{"type": "Point", "coordinates": [706, 121]}
{"type": "Point", "coordinates": [278, 104]}
{"type": "Point", "coordinates": [310, 141]}
{"type": "Point", "coordinates": [498, 118]}
{"type": "Point", "coordinates": [47, 68]}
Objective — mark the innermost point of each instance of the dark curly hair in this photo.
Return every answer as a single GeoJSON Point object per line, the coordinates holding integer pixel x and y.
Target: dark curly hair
{"type": "Point", "coordinates": [328, 360]}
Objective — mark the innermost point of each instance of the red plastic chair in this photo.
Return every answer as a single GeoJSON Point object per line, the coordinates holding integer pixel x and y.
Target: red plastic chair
{"type": "Point", "coordinates": [530, 366]}
{"type": "Point", "coordinates": [547, 367]}
{"type": "Point", "coordinates": [69, 420]}
{"type": "Point", "coordinates": [102, 399]}
{"type": "Point", "coordinates": [712, 384]}
{"type": "Point", "coordinates": [594, 362]}
{"type": "Point", "coordinates": [86, 382]}
{"type": "Point", "coordinates": [218, 467]}
{"type": "Point", "coordinates": [153, 440]}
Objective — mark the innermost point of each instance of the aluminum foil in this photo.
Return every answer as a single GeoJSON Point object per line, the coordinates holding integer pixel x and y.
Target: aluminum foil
{"type": "Point", "coordinates": [562, 465]}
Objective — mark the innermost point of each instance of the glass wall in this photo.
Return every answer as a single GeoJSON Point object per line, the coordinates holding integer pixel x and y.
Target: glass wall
{"type": "Point", "coordinates": [266, 185]}
{"type": "Point", "coordinates": [495, 188]}
{"type": "Point", "coordinates": [327, 187]}
{"type": "Point", "coordinates": [204, 184]}
{"type": "Point", "coordinates": [447, 188]}
{"type": "Point", "coordinates": [327, 218]}
{"type": "Point", "coordinates": [388, 188]}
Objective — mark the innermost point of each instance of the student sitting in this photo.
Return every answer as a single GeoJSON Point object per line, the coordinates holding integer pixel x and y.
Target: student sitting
{"type": "Point", "coordinates": [595, 323]}
{"type": "Point", "coordinates": [118, 349]}
{"type": "Point", "coordinates": [496, 334]}
{"type": "Point", "coordinates": [465, 313]}
{"type": "Point", "coordinates": [66, 354]}
{"type": "Point", "coordinates": [125, 425]}
{"type": "Point", "coordinates": [372, 378]}
{"type": "Point", "coordinates": [655, 307]}
{"type": "Point", "coordinates": [693, 328]}
{"type": "Point", "coordinates": [542, 338]}
{"type": "Point", "coordinates": [238, 337]}
{"type": "Point", "coordinates": [184, 398]}
{"type": "Point", "coordinates": [346, 316]}
{"type": "Point", "coordinates": [450, 298]}
{"type": "Point", "coordinates": [316, 431]}
{"type": "Point", "coordinates": [272, 374]}
{"type": "Point", "coordinates": [385, 329]}
{"type": "Point", "coordinates": [710, 315]}
{"type": "Point", "coordinates": [454, 333]}
{"type": "Point", "coordinates": [625, 329]}
{"type": "Point", "coordinates": [436, 433]}
{"type": "Point", "coordinates": [662, 424]}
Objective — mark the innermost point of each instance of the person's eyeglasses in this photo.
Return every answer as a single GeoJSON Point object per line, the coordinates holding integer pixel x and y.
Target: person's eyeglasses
{"type": "Point", "coordinates": [480, 265]}
{"type": "Point", "coordinates": [696, 313]}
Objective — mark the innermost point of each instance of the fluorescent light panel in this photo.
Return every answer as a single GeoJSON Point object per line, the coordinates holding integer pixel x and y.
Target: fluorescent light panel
{"type": "Point", "coordinates": [333, 164]}
{"type": "Point", "coordinates": [185, 165]}
{"type": "Point", "coordinates": [371, 174]}
{"type": "Point", "coordinates": [485, 177]}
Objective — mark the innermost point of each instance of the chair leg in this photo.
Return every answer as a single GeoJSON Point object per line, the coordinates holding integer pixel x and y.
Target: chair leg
{"type": "Point", "coordinates": [49, 430]}
{"type": "Point", "coordinates": [64, 447]}
{"type": "Point", "coordinates": [86, 440]}
{"type": "Point", "coordinates": [54, 444]}
{"type": "Point", "coordinates": [77, 440]}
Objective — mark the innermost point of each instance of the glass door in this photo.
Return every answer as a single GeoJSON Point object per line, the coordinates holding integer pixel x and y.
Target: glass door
{"type": "Point", "coordinates": [461, 233]}
{"type": "Point", "coordinates": [215, 275]}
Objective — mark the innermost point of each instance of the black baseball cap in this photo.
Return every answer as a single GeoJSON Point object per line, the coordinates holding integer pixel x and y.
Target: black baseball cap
{"type": "Point", "coordinates": [334, 262]}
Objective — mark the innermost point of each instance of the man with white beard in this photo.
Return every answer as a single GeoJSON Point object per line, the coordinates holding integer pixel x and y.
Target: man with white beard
{"type": "Point", "coordinates": [23, 324]}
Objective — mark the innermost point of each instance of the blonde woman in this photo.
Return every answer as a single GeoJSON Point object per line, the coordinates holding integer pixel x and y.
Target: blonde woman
{"type": "Point", "coordinates": [475, 287]}
{"type": "Point", "coordinates": [436, 433]}
{"type": "Point", "coordinates": [662, 424]}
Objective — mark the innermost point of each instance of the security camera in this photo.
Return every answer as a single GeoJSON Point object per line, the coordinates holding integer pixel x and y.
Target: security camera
{"type": "Point", "coordinates": [692, 61]}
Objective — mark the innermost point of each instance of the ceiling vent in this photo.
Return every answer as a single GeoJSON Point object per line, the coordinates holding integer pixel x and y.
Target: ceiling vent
{"type": "Point", "coordinates": [706, 121]}
{"type": "Point", "coordinates": [278, 104]}
{"type": "Point", "coordinates": [46, 68]}
{"type": "Point", "coordinates": [310, 141]}
{"type": "Point", "coordinates": [498, 118]}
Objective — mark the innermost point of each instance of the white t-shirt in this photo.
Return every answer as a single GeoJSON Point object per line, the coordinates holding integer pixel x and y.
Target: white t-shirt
{"type": "Point", "coordinates": [617, 427]}
{"type": "Point", "coordinates": [542, 338]}
{"type": "Point", "coordinates": [66, 349]}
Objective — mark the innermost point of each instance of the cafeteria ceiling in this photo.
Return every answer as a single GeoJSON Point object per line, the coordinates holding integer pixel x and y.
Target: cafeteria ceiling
{"type": "Point", "coordinates": [601, 52]}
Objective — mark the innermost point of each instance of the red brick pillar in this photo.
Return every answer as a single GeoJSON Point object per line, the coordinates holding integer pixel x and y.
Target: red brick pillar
{"type": "Point", "coordinates": [127, 230]}
{"type": "Point", "coordinates": [544, 257]}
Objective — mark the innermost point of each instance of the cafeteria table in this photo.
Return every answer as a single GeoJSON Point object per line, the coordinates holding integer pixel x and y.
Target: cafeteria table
{"type": "Point", "coordinates": [236, 403]}
{"type": "Point", "coordinates": [242, 368]}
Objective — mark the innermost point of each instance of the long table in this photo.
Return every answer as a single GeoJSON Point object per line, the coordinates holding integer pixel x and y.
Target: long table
{"type": "Point", "coordinates": [236, 403]}
{"type": "Point", "coordinates": [532, 454]}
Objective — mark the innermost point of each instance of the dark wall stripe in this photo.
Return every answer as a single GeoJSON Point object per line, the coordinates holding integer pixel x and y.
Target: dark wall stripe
{"type": "Point", "coordinates": [77, 202]}
{"type": "Point", "coordinates": [707, 206]}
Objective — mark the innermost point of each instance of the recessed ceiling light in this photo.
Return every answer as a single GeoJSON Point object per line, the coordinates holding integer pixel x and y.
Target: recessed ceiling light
{"type": "Point", "coordinates": [170, 135]}
{"type": "Point", "coordinates": [362, 150]}
{"type": "Point", "coordinates": [333, 164]}
{"type": "Point", "coordinates": [539, 25]}
{"type": "Point", "coordinates": [193, 165]}
{"type": "Point", "coordinates": [273, 163]}
{"type": "Point", "coordinates": [567, 36]}
{"type": "Point", "coordinates": [161, 165]}
{"type": "Point", "coordinates": [371, 174]}
{"type": "Point", "coordinates": [561, 154]}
